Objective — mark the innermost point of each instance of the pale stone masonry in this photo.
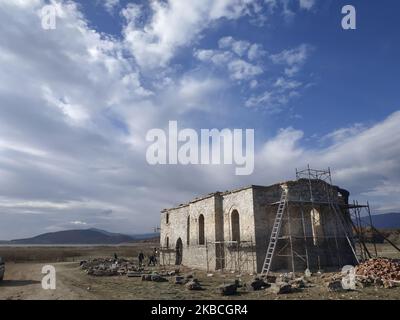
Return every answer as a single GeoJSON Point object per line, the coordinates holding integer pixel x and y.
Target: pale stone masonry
{"type": "Point", "coordinates": [231, 230]}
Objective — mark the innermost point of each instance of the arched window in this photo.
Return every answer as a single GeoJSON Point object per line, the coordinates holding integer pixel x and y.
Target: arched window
{"type": "Point", "coordinates": [188, 231]}
{"type": "Point", "coordinates": [235, 226]}
{"type": "Point", "coordinates": [167, 218]}
{"type": "Point", "coordinates": [201, 230]}
{"type": "Point", "coordinates": [178, 252]}
{"type": "Point", "coordinates": [167, 242]}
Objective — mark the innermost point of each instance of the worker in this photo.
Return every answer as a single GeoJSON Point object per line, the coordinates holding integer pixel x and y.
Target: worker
{"type": "Point", "coordinates": [141, 258]}
{"type": "Point", "coordinates": [155, 254]}
{"type": "Point", "coordinates": [152, 260]}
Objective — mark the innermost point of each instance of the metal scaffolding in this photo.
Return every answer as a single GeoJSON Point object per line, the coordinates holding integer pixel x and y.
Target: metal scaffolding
{"type": "Point", "coordinates": [341, 220]}
{"type": "Point", "coordinates": [167, 256]}
{"type": "Point", "coordinates": [362, 221]}
{"type": "Point", "coordinates": [232, 255]}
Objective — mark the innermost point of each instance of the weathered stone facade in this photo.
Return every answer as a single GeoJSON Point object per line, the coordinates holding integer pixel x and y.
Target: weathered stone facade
{"type": "Point", "coordinates": [231, 230]}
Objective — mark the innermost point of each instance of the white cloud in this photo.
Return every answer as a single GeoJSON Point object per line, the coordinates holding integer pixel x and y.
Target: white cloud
{"type": "Point", "coordinates": [110, 5]}
{"type": "Point", "coordinates": [288, 6]}
{"type": "Point", "coordinates": [255, 52]}
{"type": "Point", "coordinates": [194, 92]}
{"type": "Point", "coordinates": [271, 100]}
{"type": "Point", "coordinates": [242, 70]}
{"type": "Point", "coordinates": [293, 59]}
{"type": "Point", "coordinates": [72, 140]}
{"type": "Point", "coordinates": [275, 98]}
{"type": "Point", "coordinates": [233, 55]}
{"type": "Point", "coordinates": [78, 223]}
{"type": "Point", "coordinates": [307, 4]}
{"type": "Point", "coordinates": [286, 84]}
{"type": "Point", "coordinates": [172, 25]}
{"type": "Point", "coordinates": [342, 134]}
{"type": "Point", "coordinates": [366, 163]}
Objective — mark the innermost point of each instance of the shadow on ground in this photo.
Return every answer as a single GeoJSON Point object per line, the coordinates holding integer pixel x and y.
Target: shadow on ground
{"type": "Point", "coordinates": [17, 283]}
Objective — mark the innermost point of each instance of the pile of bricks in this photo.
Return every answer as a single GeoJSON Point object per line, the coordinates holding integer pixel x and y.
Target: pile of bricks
{"type": "Point", "coordinates": [380, 271]}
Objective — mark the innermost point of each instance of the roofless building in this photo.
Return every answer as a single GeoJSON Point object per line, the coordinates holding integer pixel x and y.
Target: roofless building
{"type": "Point", "coordinates": [291, 225]}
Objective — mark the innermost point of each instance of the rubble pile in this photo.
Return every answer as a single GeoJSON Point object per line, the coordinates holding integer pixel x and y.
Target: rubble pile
{"type": "Point", "coordinates": [108, 267]}
{"type": "Point", "coordinates": [288, 283]}
{"type": "Point", "coordinates": [119, 267]}
{"type": "Point", "coordinates": [380, 271]}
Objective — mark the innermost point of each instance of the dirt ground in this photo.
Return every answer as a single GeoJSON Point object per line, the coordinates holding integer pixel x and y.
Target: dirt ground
{"type": "Point", "coordinates": [23, 281]}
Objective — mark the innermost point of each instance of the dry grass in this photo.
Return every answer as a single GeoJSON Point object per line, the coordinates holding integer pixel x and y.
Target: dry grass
{"type": "Point", "coordinates": [73, 253]}
{"type": "Point", "coordinates": [75, 283]}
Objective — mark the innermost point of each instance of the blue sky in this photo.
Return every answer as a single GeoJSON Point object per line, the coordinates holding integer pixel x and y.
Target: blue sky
{"type": "Point", "coordinates": [353, 73]}
{"type": "Point", "coordinates": [72, 142]}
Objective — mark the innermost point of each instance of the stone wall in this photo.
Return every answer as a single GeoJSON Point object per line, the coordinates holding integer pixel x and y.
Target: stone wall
{"type": "Point", "coordinates": [254, 209]}
{"type": "Point", "coordinates": [318, 235]}
{"type": "Point", "coordinates": [239, 257]}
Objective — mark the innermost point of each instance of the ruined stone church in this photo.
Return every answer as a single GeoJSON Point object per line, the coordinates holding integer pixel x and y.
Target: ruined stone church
{"type": "Point", "coordinates": [231, 230]}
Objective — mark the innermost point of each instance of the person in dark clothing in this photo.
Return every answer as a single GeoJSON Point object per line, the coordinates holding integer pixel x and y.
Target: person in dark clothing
{"type": "Point", "coordinates": [152, 261]}
{"type": "Point", "coordinates": [141, 258]}
{"type": "Point", "coordinates": [115, 257]}
{"type": "Point", "coordinates": [155, 254]}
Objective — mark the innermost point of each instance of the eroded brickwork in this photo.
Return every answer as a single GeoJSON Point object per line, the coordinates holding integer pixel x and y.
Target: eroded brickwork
{"type": "Point", "coordinates": [231, 230]}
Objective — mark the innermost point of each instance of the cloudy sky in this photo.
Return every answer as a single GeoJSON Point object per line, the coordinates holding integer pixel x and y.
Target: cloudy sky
{"type": "Point", "coordinates": [76, 103]}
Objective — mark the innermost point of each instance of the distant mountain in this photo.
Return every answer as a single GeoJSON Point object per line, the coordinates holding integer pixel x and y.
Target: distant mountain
{"type": "Point", "coordinates": [145, 236]}
{"type": "Point", "coordinates": [385, 220]}
{"type": "Point", "coordinates": [88, 236]}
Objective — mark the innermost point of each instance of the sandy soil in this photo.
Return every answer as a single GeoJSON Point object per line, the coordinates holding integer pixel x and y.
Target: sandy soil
{"type": "Point", "coordinates": [23, 278]}
{"type": "Point", "coordinates": [23, 281]}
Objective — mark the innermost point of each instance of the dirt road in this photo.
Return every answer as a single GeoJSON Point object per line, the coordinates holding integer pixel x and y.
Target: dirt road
{"type": "Point", "coordinates": [23, 281]}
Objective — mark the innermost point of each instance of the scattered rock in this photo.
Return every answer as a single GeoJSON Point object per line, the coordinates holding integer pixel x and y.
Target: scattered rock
{"type": "Point", "coordinates": [146, 277]}
{"type": "Point", "coordinates": [388, 284]}
{"type": "Point", "coordinates": [285, 277]}
{"type": "Point", "coordinates": [228, 289]}
{"type": "Point", "coordinates": [158, 278]}
{"type": "Point", "coordinates": [193, 284]}
{"type": "Point", "coordinates": [180, 280]}
{"type": "Point", "coordinates": [271, 279]}
{"type": "Point", "coordinates": [298, 283]}
{"type": "Point", "coordinates": [83, 262]}
{"type": "Point", "coordinates": [335, 286]}
{"type": "Point", "coordinates": [258, 284]}
{"type": "Point", "coordinates": [280, 288]}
